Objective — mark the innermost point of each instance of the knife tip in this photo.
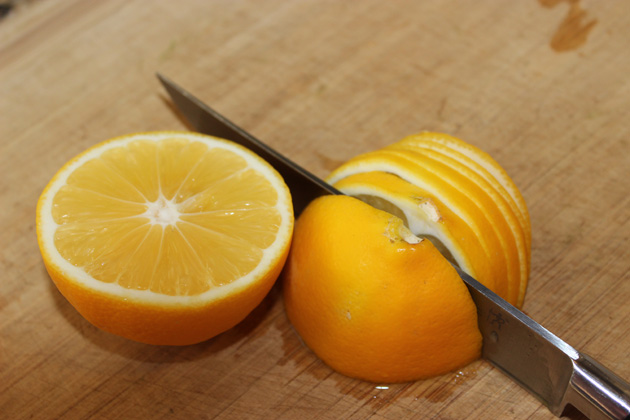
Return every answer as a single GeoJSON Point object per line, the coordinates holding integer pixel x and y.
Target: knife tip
{"type": "Point", "coordinates": [161, 77]}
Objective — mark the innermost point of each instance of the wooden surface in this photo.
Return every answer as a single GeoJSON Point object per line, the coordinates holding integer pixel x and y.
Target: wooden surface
{"type": "Point", "coordinates": [544, 86]}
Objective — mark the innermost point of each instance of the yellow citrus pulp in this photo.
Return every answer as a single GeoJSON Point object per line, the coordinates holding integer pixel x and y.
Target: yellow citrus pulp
{"type": "Point", "coordinates": [442, 189]}
{"type": "Point", "coordinates": [165, 237]}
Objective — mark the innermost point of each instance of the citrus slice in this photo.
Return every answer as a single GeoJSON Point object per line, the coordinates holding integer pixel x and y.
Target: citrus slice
{"type": "Point", "coordinates": [374, 301]}
{"type": "Point", "coordinates": [165, 237]}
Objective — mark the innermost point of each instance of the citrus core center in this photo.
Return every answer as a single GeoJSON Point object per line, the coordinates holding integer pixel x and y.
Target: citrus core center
{"type": "Point", "coordinates": [162, 212]}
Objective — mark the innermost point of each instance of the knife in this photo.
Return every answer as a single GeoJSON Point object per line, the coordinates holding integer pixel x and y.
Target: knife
{"type": "Point", "coordinates": [543, 364]}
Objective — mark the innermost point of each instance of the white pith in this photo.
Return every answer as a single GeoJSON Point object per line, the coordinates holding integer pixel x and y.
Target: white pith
{"type": "Point", "coordinates": [162, 211]}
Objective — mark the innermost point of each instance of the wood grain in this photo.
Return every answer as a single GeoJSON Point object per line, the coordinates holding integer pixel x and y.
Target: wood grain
{"type": "Point", "coordinates": [541, 85]}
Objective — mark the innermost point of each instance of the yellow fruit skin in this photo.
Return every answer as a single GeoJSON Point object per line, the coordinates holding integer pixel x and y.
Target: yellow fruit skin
{"type": "Point", "coordinates": [371, 305]}
{"type": "Point", "coordinates": [172, 325]}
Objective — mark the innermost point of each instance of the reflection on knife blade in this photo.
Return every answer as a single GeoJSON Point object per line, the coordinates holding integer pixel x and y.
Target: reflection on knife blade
{"type": "Point", "coordinates": [550, 369]}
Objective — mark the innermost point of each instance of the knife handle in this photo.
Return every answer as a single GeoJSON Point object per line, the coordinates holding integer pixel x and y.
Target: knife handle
{"type": "Point", "coordinates": [597, 392]}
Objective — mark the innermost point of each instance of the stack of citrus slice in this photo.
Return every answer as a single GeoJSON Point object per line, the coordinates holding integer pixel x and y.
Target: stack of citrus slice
{"type": "Point", "coordinates": [368, 285]}
{"type": "Point", "coordinates": [457, 196]}
{"type": "Point", "coordinates": [165, 237]}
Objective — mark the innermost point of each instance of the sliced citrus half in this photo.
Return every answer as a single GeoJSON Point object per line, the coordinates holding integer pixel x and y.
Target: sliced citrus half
{"type": "Point", "coordinates": [165, 237]}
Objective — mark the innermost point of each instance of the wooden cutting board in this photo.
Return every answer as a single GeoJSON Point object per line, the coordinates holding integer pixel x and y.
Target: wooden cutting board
{"type": "Point", "coordinates": [544, 86]}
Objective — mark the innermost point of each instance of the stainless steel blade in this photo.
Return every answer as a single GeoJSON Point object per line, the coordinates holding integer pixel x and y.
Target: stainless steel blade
{"type": "Point", "coordinates": [550, 369]}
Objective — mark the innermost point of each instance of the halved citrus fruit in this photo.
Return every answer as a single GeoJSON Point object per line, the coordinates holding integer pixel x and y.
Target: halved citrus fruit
{"type": "Point", "coordinates": [165, 237]}
{"type": "Point", "coordinates": [370, 286]}
{"type": "Point", "coordinates": [374, 301]}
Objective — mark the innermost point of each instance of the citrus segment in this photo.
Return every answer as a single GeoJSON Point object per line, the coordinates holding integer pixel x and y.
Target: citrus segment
{"type": "Point", "coordinates": [190, 227]}
{"type": "Point", "coordinates": [372, 300]}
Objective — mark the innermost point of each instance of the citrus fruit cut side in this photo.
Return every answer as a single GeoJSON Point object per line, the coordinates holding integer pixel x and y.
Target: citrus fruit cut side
{"type": "Point", "coordinates": [374, 301]}
{"type": "Point", "coordinates": [165, 237]}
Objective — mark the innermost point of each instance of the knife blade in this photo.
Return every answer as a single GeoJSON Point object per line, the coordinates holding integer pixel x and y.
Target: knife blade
{"type": "Point", "coordinates": [543, 364]}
